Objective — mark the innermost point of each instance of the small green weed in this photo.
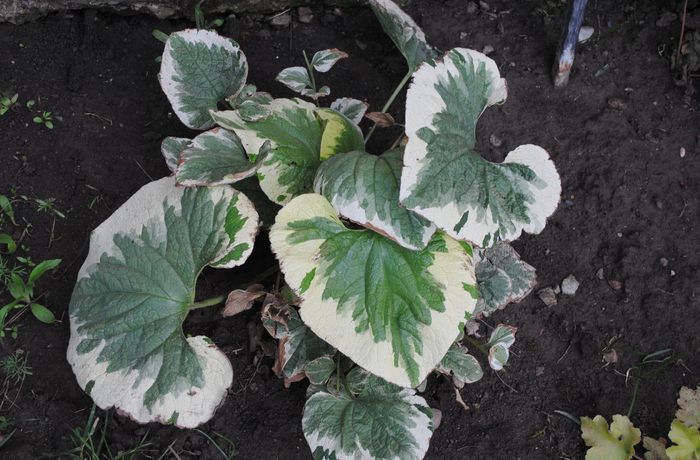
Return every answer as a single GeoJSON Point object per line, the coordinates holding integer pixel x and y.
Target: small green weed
{"type": "Point", "coordinates": [45, 118]}
{"type": "Point", "coordinates": [15, 366]}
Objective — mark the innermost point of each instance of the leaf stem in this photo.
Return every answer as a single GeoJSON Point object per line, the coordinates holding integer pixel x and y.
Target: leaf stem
{"type": "Point", "coordinates": [390, 101]}
{"type": "Point", "coordinates": [208, 302]}
{"type": "Point", "coordinates": [311, 74]}
{"type": "Point", "coordinates": [478, 346]}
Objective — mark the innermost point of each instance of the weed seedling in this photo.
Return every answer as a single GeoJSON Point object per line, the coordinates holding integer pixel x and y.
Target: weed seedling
{"type": "Point", "coordinates": [15, 366]}
{"type": "Point", "coordinates": [44, 119]}
{"type": "Point", "coordinates": [7, 102]}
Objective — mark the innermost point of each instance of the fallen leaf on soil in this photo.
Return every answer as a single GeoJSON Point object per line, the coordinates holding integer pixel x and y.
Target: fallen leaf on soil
{"type": "Point", "coordinates": [240, 300]}
{"type": "Point", "coordinates": [610, 357]}
{"type": "Point", "coordinates": [615, 284]}
{"type": "Point", "coordinates": [460, 401]}
{"type": "Point", "coordinates": [383, 120]}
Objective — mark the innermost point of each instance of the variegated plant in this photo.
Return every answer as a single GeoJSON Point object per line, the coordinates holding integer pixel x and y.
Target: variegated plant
{"type": "Point", "coordinates": [387, 256]}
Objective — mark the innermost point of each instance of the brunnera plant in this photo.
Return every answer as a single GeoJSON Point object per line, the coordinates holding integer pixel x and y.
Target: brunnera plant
{"type": "Point", "coordinates": [385, 257]}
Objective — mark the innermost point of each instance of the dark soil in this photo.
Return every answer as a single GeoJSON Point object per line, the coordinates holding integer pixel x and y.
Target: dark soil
{"type": "Point", "coordinates": [629, 200]}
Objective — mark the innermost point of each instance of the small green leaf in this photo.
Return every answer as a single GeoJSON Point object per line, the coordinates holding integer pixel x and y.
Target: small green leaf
{"type": "Point", "coordinates": [10, 245]}
{"type": "Point", "coordinates": [39, 271]}
{"type": "Point", "coordinates": [295, 78]}
{"type": "Point", "coordinates": [18, 289]}
{"type": "Point", "coordinates": [48, 124]}
{"type": "Point", "coordinates": [383, 421]}
{"type": "Point", "coordinates": [609, 443]}
{"type": "Point", "coordinates": [686, 441]}
{"type": "Point", "coordinates": [324, 60]}
{"type": "Point", "coordinates": [160, 35]}
{"type": "Point", "coordinates": [320, 369]}
{"type": "Point", "coordinates": [38, 120]}
{"type": "Point", "coordinates": [42, 313]}
{"type": "Point", "coordinates": [353, 109]}
{"type": "Point", "coordinates": [6, 207]}
{"type": "Point", "coordinates": [200, 68]}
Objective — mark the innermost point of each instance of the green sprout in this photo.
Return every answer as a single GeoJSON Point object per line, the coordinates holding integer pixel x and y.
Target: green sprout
{"type": "Point", "coordinates": [44, 119]}
{"type": "Point", "coordinates": [7, 102]}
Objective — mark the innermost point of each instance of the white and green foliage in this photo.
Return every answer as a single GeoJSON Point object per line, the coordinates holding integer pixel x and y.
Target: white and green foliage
{"type": "Point", "coordinates": [297, 345]}
{"type": "Point", "coordinates": [502, 338]}
{"type": "Point", "coordinates": [502, 278]}
{"type": "Point", "coordinates": [404, 32]}
{"type": "Point", "coordinates": [445, 180]}
{"type": "Point", "coordinates": [302, 80]}
{"type": "Point", "coordinates": [172, 148]}
{"type": "Point", "coordinates": [215, 157]}
{"type": "Point", "coordinates": [392, 310]}
{"type": "Point", "coordinates": [290, 143]}
{"type": "Point", "coordinates": [127, 347]}
{"type": "Point", "coordinates": [199, 68]}
{"type": "Point", "coordinates": [353, 109]}
{"type": "Point", "coordinates": [461, 366]}
{"type": "Point", "coordinates": [368, 418]}
{"type": "Point", "coordinates": [365, 189]}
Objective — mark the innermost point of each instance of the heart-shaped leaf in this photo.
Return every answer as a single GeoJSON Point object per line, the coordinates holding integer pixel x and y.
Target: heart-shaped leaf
{"type": "Point", "coordinates": [446, 180]}
{"type": "Point", "coordinates": [463, 367]}
{"type": "Point", "coordinates": [365, 189]}
{"type": "Point", "coordinates": [499, 346]}
{"type": "Point", "coordinates": [392, 310]}
{"type": "Point", "coordinates": [503, 278]}
{"type": "Point", "coordinates": [127, 347]}
{"type": "Point", "coordinates": [215, 157]}
{"type": "Point", "coordinates": [324, 60]}
{"type": "Point", "coordinates": [295, 78]}
{"type": "Point", "coordinates": [199, 68]}
{"type": "Point", "coordinates": [403, 31]}
{"type": "Point", "coordinates": [379, 421]}
{"type": "Point", "coordinates": [340, 135]}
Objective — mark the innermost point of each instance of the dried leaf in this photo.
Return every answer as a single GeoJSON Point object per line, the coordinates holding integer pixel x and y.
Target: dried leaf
{"type": "Point", "coordinates": [383, 120]}
{"type": "Point", "coordinates": [240, 300]}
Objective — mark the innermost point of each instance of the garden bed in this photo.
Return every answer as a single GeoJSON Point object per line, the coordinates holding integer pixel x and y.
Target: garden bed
{"type": "Point", "coordinates": [627, 228]}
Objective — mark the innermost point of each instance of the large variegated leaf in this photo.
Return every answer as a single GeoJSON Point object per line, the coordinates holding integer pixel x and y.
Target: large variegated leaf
{"type": "Point", "coordinates": [127, 347]}
{"type": "Point", "coordinates": [215, 157]}
{"type": "Point", "coordinates": [365, 189]}
{"type": "Point", "coordinates": [502, 277]}
{"type": "Point", "coordinates": [294, 139]}
{"type": "Point", "coordinates": [378, 420]}
{"type": "Point", "coordinates": [403, 31]}
{"type": "Point", "coordinates": [448, 182]}
{"type": "Point", "coordinates": [200, 68]}
{"type": "Point", "coordinates": [392, 310]}
{"type": "Point", "coordinates": [340, 134]}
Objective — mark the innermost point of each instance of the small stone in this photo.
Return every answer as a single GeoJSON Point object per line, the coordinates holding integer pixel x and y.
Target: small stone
{"type": "Point", "coordinates": [337, 11]}
{"type": "Point", "coordinates": [610, 357]}
{"type": "Point", "coordinates": [463, 35]}
{"type": "Point", "coordinates": [484, 6]}
{"type": "Point", "coordinates": [471, 8]}
{"type": "Point", "coordinates": [539, 370]}
{"type": "Point", "coordinates": [305, 14]}
{"type": "Point", "coordinates": [547, 296]}
{"type": "Point", "coordinates": [673, 273]}
{"type": "Point", "coordinates": [615, 284]}
{"type": "Point", "coordinates": [361, 45]}
{"type": "Point", "coordinates": [682, 152]}
{"type": "Point", "coordinates": [659, 204]}
{"type": "Point", "coordinates": [600, 274]}
{"type": "Point", "coordinates": [585, 33]}
{"type": "Point", "coordinates": [616, 103]}
{"type": "Point", "coordinates": [281, 21]}
{"type": "Point", "coordinates": [663, 261]}
{"type": "Point", "coordinates": [495, 140]}
{"type": "Point", "coordinates": [569, 285]}
{"type": "Point", "coordinates": [619, 234]}
{"type": "Point", "coordinates": [488, 49]}
{"type": "Point", "coordinates": [557, 290]}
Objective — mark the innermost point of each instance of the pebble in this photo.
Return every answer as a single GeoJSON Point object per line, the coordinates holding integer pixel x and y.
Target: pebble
{"type": "Point", "coordinates": [471, 8]}
{"type": "Point", "coordinates": [488, 49]}
{"type": "Point", "coordinates": [463, 35]}
{"type": "Point", "coordinates": [585, 34]}
{"type": "Point", "coordinates": [600, 274]}
{"type": "Point", "coordinates": [610, 357]}
{"type": "Point", "coordinates": [281, 20]}
{"type": "Point", "coordinates": [547, 296]}
{"type": "Point", "coordinates": [615, 284]}
{"type": "Point", "coordinates": [682, 152]}
{"type": "Point", "coordinates": [616, 103]}
{"type": "Point", "coordinates": [663, 261]}
{"type": "Point", "coordinates": [484, 6]}
{"type": "Point", "coordinates": [305, 14]}
{"type": "Point", "coordinates": [569, 285]}
{"type": "Point", "coordinates": [539, 370]}
{"type": "Point", "coordinates": [495, 140]}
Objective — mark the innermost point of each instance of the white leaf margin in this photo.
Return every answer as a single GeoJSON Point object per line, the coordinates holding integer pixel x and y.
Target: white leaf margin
{"type": "Point", "coordinates": [422, 104]}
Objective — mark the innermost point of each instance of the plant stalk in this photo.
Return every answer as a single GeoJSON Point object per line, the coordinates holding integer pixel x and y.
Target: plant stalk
{"type": "Point", "coordinates": [310, 69]}
{"type": "Point", "coordinates": [390, 101]}
{"type": "Point", "coordinates": [208, 302]}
